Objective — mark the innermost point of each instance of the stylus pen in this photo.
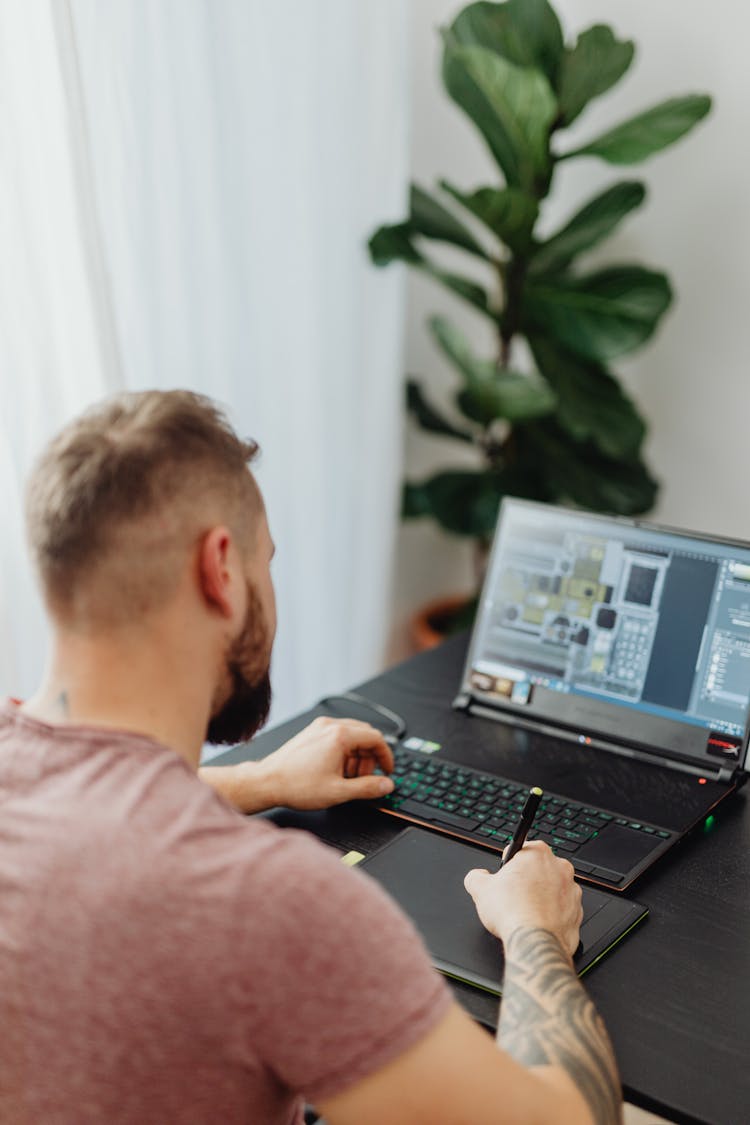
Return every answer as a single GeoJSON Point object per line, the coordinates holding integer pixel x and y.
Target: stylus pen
{"type": "Point", "coordinates": [525, 822]}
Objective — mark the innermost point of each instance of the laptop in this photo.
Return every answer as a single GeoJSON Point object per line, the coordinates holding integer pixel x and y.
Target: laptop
{"type": "Point", "coordinates": [613, 657]}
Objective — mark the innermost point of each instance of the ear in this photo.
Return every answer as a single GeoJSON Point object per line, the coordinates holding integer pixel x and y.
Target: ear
{"type": "Point", "coordinates": [219, 572]}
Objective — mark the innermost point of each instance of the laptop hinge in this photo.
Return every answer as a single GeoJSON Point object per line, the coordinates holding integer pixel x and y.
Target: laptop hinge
{"type": "Point", "coordinates": [466, 702]}
{"type": "Point", "coordinates": [462, 702]}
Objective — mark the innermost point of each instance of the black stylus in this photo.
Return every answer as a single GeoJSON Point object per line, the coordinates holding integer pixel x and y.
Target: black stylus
{"type": "Point", "coordinates": [525, 822]}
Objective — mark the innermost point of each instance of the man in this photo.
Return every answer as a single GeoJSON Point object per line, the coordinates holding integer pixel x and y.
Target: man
{"type": "Point", "coordinates": [163, 958]}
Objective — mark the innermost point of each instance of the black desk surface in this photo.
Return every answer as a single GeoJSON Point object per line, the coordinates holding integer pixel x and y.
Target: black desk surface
{"type": "Point", "coordinates": [676, 994]}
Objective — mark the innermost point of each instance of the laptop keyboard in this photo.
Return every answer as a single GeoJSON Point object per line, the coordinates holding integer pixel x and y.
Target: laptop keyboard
{"type": "Point", "coordinates": [485, 808]}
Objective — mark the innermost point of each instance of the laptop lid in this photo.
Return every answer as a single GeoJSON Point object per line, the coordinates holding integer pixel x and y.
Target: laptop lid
{"type": "Point", "coordinates": [618, 631]}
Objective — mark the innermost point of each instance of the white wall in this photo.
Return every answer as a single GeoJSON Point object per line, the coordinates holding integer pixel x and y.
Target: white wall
{"type": "Point", "coordinates": [692, 381]}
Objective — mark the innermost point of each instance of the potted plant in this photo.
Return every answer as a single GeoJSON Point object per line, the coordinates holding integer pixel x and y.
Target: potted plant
{"type": "Point", "coordinates": [558, 426]}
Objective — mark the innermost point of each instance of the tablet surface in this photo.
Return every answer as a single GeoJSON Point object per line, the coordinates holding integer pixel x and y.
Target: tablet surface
{"type": "Point", "coordinates": [425, 872]}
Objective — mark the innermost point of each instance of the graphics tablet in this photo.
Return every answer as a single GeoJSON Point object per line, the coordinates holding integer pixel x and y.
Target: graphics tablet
{"type": "Point", "coordinates": [425, 873]}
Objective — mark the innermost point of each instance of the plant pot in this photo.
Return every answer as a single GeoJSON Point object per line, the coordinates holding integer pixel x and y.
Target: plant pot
{"type": "Point", "coordinates": [435, 620]}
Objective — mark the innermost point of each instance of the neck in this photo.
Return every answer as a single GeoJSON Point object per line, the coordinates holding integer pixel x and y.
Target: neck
{"type": "Point", "coordinates": [140, 681]}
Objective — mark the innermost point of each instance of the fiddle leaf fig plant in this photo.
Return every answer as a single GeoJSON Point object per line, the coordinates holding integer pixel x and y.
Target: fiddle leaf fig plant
{"type": "Point", "coordinates": [558, 428]}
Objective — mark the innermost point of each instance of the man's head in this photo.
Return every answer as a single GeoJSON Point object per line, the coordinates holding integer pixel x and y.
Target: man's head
{"type": "Point", "coordinates": [146, 495]}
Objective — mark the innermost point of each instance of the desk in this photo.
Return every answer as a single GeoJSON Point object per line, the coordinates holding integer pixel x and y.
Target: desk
{"type": "Point", "coordinates": [676, 994]}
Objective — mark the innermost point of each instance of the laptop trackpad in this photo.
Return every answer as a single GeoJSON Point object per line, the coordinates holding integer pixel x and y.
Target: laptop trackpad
{"type": "Point", "coordinates": [619, 849]}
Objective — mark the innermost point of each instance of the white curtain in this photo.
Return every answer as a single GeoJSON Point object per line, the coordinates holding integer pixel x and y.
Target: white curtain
{"type": "Point", "coordinates": [54, 357]}
{"type": "Point", "coordinates": [191, 189]}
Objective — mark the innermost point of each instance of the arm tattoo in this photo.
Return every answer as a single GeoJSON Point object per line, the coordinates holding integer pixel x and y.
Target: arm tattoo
{"type": "Point", "coordinates": [61, 703]}
{"type": "Point", "coordinates": [546, 1019]}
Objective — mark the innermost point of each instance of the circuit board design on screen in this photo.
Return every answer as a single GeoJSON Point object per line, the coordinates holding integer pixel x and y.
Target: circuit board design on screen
{"type": "Point", "coordinates": [587, 611]}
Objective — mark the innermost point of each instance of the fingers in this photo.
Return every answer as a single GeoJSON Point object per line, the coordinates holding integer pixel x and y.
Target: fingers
{"type": "Point", "coordinates": [352, 735]}
{"type": "Point", "coordinates": [360, 763]}
{"type": "Point", "coordinates": [535, 889]}
{"type": "Point", "coordinates": [537, 846]}
{"type": "Point", "coordinates": [362, 788]}
{"type": "Point", "coordinates": [473, 880]}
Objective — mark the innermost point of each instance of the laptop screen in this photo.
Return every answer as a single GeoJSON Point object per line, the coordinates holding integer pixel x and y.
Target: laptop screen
{"type": "Point", "coordinates": [617, 628]}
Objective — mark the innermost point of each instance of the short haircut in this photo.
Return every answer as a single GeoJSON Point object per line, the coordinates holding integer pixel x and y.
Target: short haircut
{"type": "Point", "coordinates": [119, 496]}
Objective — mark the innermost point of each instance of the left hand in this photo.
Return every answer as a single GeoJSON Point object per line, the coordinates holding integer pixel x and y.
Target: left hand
{"type": "Point", "coordinates": [327, 763]}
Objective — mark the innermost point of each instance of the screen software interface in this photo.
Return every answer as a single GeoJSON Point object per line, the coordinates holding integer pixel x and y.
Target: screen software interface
{"type": "Point", "coordinates": [639, 617]}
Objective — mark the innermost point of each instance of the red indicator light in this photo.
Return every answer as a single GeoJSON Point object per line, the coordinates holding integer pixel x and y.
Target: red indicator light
{"type": "Point", "coordinates": [701, 781]}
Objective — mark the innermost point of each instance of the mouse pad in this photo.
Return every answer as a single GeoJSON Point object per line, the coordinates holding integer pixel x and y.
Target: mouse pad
{"type": "Point", "coordinates": [425, 872]}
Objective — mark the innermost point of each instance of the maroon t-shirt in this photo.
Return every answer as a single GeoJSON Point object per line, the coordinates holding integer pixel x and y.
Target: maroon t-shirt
{"type": "Point", "coordinates": [164, 959]}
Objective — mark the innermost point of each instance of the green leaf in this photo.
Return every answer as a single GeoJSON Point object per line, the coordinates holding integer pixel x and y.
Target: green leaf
{"type": "Point", "coordinates": [455, 345]}
{"type": "Point", "coordinates": [647, 133]}
{"type": "Point", "coordinates": [462, 501]}
{"type": "Point", "coordinates": [592, 224]}
{"type": "Point", "coordinates": [427, 219]}
{"type": "Point", "coordinates": [589, 69]}
{"type": "Point", "coordinates": [600, 316]}
{"type": "Point", "coordinates": [591, 404]}
{"type": "Point", "coordinates": [428, 418]}
{"type": "Point", "coordinates": [580, 474]}
{"type": "Point", "coordinates": [513, 396]}
{"type": "Point", "coordinates": [471, 292]}
{"type": "Point", "coordinates": [491, 392]}
{"type": "Point", "coordinates": [508, 212]}
{"type": "Point", "coordinates": [526, 32]}
{"type": "Point", "coordinates": [512, 107]}
{"type": "Point", "coordinates": [395, 244]}
{"type": "Point", "coordinates": [430, 219]}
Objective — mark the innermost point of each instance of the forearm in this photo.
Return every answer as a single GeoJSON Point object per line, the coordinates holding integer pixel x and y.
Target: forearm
{"type": "Point", "coordinates": [328, 762]}
{"type": "Point", "coordinates": [547, 1020]}
{"type": "Point", "coordinates": [249, 786]}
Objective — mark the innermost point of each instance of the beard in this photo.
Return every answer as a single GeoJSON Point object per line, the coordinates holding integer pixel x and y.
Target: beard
{"type": "Point", "coordinates": [245, 709]}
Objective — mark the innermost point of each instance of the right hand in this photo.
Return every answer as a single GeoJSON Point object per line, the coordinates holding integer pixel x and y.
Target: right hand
{"type": "Point", "coordinates": [535, 889]}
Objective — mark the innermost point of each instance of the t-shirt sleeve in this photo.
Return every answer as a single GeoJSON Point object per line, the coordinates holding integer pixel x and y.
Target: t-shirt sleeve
{"type": "Point", "coordinates": [337, 982]}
